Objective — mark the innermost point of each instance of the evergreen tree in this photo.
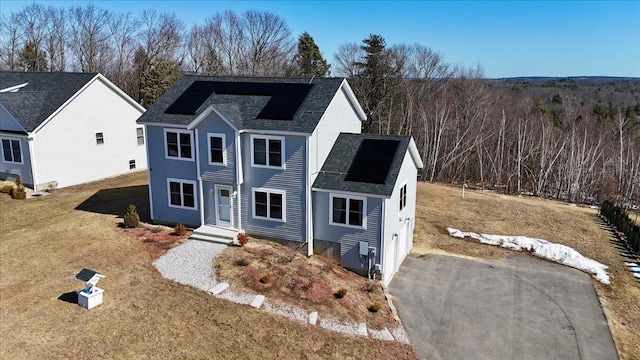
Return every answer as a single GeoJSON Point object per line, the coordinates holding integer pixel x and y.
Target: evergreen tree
{"type": "Point", "coordinates": [30, 58]}
{"type": "Point", "coordinates": [156, 80]}
{"type": "Point", "coordinates": [309, 60]}
{"type": "Point", "coordinates": [376, 80]}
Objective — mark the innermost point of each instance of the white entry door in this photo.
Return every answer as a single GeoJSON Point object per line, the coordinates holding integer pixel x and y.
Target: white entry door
{"type": "Point", "coordinates": [223, 206]}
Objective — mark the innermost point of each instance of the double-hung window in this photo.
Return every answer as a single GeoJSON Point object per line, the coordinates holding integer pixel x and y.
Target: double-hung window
{"type": "Point", "coordinates": [269, 204]}
{"type": "Point", "coordinates": [403, 197]}
{"type": "Point", "coordinates": [140, 135]}
{"type": "Point", "coordinates": [267, 151]}
{"type": "Point", "coordinates": [178, 144]}
{"type": "Point", "coordinates": [348, 211]}
{"type": "Point", "coordinates": [182, 193]}
{"type": "Point", "coordinates": [12, 151]}
{"type": "Point", "coordinates": [217, 146]}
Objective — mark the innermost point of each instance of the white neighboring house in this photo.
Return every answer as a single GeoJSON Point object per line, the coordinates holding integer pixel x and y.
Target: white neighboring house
{"type": "Point", "coordinates": [63, 129]}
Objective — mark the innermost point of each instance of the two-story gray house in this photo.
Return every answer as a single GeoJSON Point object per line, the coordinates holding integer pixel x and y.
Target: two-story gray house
{"type": "Point", "coordinates": [282, 158]}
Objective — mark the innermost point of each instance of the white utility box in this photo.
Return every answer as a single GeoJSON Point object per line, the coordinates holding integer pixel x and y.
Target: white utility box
{"type": "Point", "coordinates": [90, 300]}
{"type": "Point", "coordinates": [91, 295]}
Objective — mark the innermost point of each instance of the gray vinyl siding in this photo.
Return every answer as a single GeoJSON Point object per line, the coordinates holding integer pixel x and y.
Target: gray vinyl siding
{"type": "Point", "coordinates": [340, 116]}
{"type": "Point", "coordinates": [349, 238]}
{"type": "Point", "coordinates": [160, 169]}
{"type": "Point", "coordinates": [217, 173]}
{"type": "Point", "coordinates": [292, 180]}
{"type": "Point", "coordinates": [23, 169]}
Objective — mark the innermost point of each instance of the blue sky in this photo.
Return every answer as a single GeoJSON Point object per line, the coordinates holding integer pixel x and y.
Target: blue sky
{"type": "Point", "coordinates": [507, 38]}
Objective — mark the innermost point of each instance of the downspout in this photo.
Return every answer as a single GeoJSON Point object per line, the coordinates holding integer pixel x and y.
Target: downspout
{"type": "Point", "coordinates": [200, 191]}
{"type": "Point", "coordinates": [382, 236]}
{"type": "Point", "coordinates": [309, 217]}
{"type": "Point", "coordinates": [239, 179]}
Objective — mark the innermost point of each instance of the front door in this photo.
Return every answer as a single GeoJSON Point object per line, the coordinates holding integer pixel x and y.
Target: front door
{"type": "Point", "coordinates": [223, 206]}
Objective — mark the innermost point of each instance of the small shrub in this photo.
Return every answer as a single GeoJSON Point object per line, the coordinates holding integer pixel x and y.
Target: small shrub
{"type": "Point", "coordinates": [242, 262]}
{"type": "Point", "coordinates": [267, 278]}
{"type": "Point", "coordinates": [19, 192]}
{"type": "Point", "coordinates": [342, 292]}
{"type": "Point", "coordinates": [369, 286]}
{"type": "Point", "coordinates": [180, 230]}
{"type": "Point", "coordinates": [375, 307]}
{"type": "Point", "coordinates": [243, 239]}
{"type": "Point", "coordinates": [131, 218]}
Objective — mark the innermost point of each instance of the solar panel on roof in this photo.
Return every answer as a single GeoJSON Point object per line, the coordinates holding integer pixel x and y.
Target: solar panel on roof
{"type": "Point", "coordinates": [285, 98]}
{"type": "Point", "coordinates": [372, 161]}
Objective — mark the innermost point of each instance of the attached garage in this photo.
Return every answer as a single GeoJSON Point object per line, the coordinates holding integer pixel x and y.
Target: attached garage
{"type": "Point", "coordinates": [366, 194]}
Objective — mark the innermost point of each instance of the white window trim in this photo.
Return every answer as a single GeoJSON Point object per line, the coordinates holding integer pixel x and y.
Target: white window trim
{"type": "Point", "coordinates": [143, 139]}
{"type": "Point", "coordinates": [224, 148]}
{"type": "Point", "coordinates": [182, 181]}
{"type": "Point", "coordinates": [166, 146]}
{"type": "Point", "coordinates": [404, 185]}
{"type": "Point", "coordinates": [269, 192]}
{"type": "Point", "coordinates": [348, 197]}
{"type": "Point", "coordinates": [21, 162]}
{"type": "Point", "coordinates": [267, 138]}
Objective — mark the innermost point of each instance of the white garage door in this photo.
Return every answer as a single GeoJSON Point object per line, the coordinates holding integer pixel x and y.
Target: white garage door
{"type": "Point", "coordinates": [390, 259]}
{"type": "Point", "coordinates": [403, 241]}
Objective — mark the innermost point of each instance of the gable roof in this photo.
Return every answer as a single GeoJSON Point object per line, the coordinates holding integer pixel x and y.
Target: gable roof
{"type": "Point", "coordinates": [365, 163]}
{"type": "Point", "coordinates": [258, 103]}
{"type": "Point", "coordinates": [43, 94]}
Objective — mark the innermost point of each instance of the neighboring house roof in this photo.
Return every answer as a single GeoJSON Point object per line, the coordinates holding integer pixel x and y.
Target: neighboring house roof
{"type": "Point", "coordinates": [267, 103]}
{"type": "Point", "coordinates": [365, 163]}
{"type": "Point", "coordinates": [42, 94]}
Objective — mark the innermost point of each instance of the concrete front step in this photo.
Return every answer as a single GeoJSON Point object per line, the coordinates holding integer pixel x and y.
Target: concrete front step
{"type": "Point", "coordinates": [215, 234]}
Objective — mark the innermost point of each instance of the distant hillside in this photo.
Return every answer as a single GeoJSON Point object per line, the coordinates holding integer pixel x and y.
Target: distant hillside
{"type": "Point", "coordinates": [607, 92]}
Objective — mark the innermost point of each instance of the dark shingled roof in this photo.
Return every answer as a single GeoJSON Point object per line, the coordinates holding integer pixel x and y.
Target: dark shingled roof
{"type": "Point", "coordinates": [43, 95]}
{"type": "Point", "coordinates": [341, 159]}
{"type": "Point", "coordinates": [244, 110]}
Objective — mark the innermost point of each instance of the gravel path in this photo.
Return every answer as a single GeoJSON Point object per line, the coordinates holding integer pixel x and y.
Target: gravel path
{"type": "Point", "coordinates": [191, 263]}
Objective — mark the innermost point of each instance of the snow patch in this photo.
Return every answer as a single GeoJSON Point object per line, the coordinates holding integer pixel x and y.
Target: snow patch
{"type": "Point", "coordinates": [541, 248]}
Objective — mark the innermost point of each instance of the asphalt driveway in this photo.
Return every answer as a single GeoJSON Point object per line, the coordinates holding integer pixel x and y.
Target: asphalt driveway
{"type": "Point", "coordinates": [513, 308]}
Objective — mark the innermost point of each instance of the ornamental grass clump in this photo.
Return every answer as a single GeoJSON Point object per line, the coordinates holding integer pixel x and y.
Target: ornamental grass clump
{"type": "Point", "coordinates": [131, 218]}
{"type": "Point", "coordinates": [342, 292]}
{"type": "Point", "coordinates": [375, 307]}
{"type": "Point", "coordinates": [180, 229]}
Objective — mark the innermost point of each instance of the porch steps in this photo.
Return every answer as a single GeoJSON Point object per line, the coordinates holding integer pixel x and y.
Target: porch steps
{"type": "Point", "coordinates": [215, 234]}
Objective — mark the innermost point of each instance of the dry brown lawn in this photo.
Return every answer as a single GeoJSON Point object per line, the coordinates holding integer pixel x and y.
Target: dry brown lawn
{"type": "Point", "coordinates": [44, 242]}
{"type": "Point", "coordinates": [441, 206]}
{"type": "Point", "coordinates": [308, 283]}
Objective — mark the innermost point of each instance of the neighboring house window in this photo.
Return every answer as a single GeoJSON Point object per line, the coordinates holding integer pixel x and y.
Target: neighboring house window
{"type": "Point", "coordinates": [132, 164]}
{"type": "Point", "coordinates": [140, 135]}
{"type": "Point", "coordinates": [269, 204]}
{"type": "Point", "coordinates": [403, 197]}
{"type": "Point", "coordinates": [217, 146]}
{"type": "Point", "coordinates": [178, 144]}
{"type": "Point", "coordinates": [347, 211]}
{"type": "Point", "coordinates": [182, 193]}
{"type": "Point", "coordinates": [12, 151]}
{"type": "Point", "coordinates": [99, 138]}
{"type": "Point", "coordinates": [267, 151]}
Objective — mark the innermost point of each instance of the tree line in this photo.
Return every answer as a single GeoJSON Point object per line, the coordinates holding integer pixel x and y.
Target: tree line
{"type": "Point", "coordinates": [145, 53]}
{"type": "Point", "coordinates": [466, 129]}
